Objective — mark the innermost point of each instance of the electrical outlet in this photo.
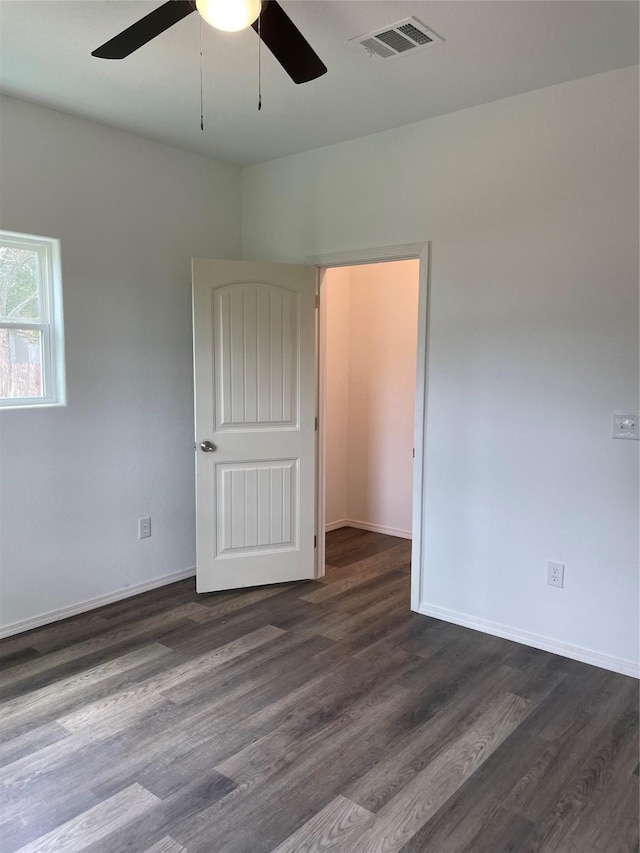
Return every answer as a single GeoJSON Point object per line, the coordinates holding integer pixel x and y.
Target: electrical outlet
{"type": "Point", "coordinates": [555, 574]}
{"type": "Point", "coordinates": [144, 528]}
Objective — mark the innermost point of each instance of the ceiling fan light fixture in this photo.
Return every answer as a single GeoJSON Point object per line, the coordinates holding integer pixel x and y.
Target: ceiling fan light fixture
{"type": "Point", "coordinates": [229, 15]}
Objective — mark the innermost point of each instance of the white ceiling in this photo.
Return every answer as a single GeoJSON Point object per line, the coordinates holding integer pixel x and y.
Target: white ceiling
{"type": "Point", "coordinates": [492, 50]}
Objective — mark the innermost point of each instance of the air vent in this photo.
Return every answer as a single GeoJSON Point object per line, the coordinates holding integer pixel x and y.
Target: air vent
{"type": "Point", "coordinates": [399, 39]}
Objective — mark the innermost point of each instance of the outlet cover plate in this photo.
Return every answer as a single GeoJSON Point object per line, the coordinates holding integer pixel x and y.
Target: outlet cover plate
{"type": "Point", "coordinates": [555, 573]}
{"type": "Point", "coordinates": [626, 425]}
{"type": "Point", "coordinates": [144, 528]}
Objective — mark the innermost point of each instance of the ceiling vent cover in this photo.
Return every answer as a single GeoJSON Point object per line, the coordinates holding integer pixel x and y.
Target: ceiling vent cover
{"type": "Point", "coordinates": [399, 39]}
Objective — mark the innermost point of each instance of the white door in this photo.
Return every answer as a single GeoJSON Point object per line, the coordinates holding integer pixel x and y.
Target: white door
{"type": "Point", "coordinates": [255, 410]}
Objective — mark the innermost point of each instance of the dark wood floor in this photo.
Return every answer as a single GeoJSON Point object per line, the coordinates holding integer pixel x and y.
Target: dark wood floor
{"type": "Point", "coordinates": [313, 717]}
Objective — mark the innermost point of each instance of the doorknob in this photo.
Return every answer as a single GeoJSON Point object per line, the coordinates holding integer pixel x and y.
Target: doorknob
{"type": "Point", "coordinates": [207, 446]}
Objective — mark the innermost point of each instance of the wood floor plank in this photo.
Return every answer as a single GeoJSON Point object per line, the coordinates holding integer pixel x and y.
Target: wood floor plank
{"type": "Point", "coordinates": [77, 666]}
{"type": "Point", "coordinates": [540, 679]}
{"type": "Point", "coordinates": [223, 629]}
{"type": "Point", "coordinates": [417, 744]}
{"type": "Point", "coordinates": [419, 800]}
{"type": "Point", "coordinates": [565, 759]}
{"type": "Point", "coordinates": [322, 621]}
{"type": "Point", "coordinates": [480, 812]}
{"type": "Point", "coordinates": [358, 573]}
{"type": "Point", "coordinates": [511, 833]}
{"type": "Point", "coordinates": [56, 634]}
{"type": "Point", "coordinates": [610, 824]}
{"type": "Point", "coordinates": [30, 741]}
{"type": "Point", "coordinates": [279, 661]}
{"type": "Point", "coordinates": [393, 557]}
{"type": "Point", "coordinates": [314, 719]}
{"type": "Point", "coordinates": [441, 641]}
{"type": "Point", "coordinates": [342, 541]}
{"type": "Point", "coordinates": [574, 703]}
{"type": "Point", "coordinates": [207, 736]}
{"type": "Point", "coordinates": [314, 773]}
{"type": "Point", "coordinates": [154, 823]}
{"type": "Point", "coordinates": [155, 601]}
{"type": "Point", "coordinates": [35, 779]}
{"type": "Point", "coordinates": [309, 717]}
{"type": "Point", "coordinates": [240, 602]}
{"type": "Point", "coordinates": [40, 815]}
{"type": "Point", "coordinates": [19, 713]}
{"type": "Point", "coordinates": [328, 742]}
{"type": "Point", "coordinates": [354, 549]}
{"type": "Point", "coordinates": [329, 830]}
{"type": "Point", "coordinates": [115, 711]}
{"type": "Point", "coordinates": [331, 590]}
{"type": "Point", "coordinates": [374, 619]}
{"type": "Point", "coordinates": [95, 824]}
{"type": "Point", "coordinates": [142, 628]}
{"type": "Point", "coordinates": [9, 658]}
{"type": "Point", "coordinates": [373, 590]}
{"type": "Point", "coordinates": [209, 727]}
{"type": "Point", "coordinates": [559, 818]}
{"type": "Point", "coordinates": [166, 845]}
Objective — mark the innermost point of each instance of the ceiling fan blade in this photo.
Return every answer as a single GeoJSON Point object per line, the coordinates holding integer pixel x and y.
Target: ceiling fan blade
{"type": "Point", "coordinates": [288, 45]}
{"type": "Point", "coordinates": [145, 29]}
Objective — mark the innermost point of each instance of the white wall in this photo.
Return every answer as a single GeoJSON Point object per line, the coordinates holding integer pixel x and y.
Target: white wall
{"type": "Point", "coordinates": [73, 481]}
{"type": "Point", "coordinates": [531, 204]}
{"type": "Point", "coordinates": [371, 367]}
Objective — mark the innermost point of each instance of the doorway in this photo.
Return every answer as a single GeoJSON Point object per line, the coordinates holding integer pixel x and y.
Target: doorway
{"type": "Point", "coordinates": [258, 331]}
{"type": "Point", "coordinates": [369, 343]}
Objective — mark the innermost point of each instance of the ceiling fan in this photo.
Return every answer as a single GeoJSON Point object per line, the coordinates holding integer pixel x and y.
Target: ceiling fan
{"type": "Point", "coordinates": [267, 18]}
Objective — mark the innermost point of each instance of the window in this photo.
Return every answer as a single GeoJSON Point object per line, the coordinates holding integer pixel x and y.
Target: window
{"type": "Point", "coordinates": [31, 335]}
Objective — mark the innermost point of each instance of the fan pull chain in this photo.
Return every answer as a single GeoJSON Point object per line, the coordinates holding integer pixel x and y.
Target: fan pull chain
{"type": "Point", "coordinates": [201, 96]}
{"type": "Point", "coordinates": [260, 60]}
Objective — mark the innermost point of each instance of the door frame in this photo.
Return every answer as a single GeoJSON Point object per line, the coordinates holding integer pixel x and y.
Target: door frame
{"type": "Point", "coordinates": [381, 254]}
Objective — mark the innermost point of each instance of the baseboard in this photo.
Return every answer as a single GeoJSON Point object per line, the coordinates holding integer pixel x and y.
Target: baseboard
{"type": "Point", "coordinates": [537, 641]}
{"type": "Point", "coordinates": [365, 525]}
{"type": "Point", "coordinates": [335, 525]}
{"type": "Point", "coordinates": [92, 603]}
{"type": "Point", "coordinates": [376, 528]}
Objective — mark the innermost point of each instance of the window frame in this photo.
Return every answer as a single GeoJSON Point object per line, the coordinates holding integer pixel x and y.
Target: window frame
{"type": "Point", "coordinates": [49, 324]}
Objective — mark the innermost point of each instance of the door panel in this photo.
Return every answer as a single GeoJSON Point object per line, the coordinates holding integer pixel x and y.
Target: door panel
{"type": "Point", "coordinates": [257, 506]}
{"type": "Point", "coordinates": [254, 357]}
{"type": "Point", "coordinates": [257, 356]}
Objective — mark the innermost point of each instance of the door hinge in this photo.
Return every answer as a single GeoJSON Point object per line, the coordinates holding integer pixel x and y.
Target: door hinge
{"type": "Point", "coordinates": [316, 427]}
{"type": "Point", "coordinates": [413, 452]}
{"type": "Point", "coordinates": [317, 300]}
{"type": "Point", "coordinates": [315, 541]}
